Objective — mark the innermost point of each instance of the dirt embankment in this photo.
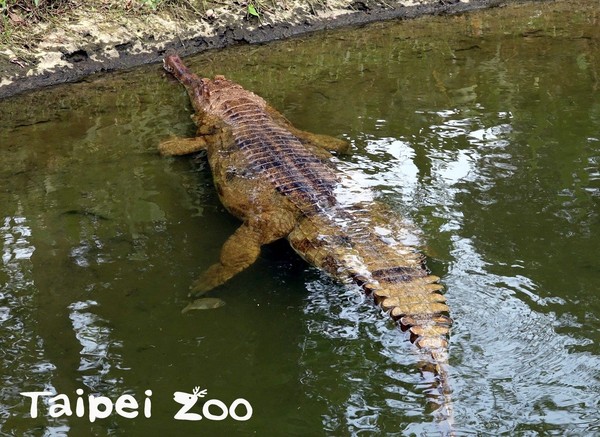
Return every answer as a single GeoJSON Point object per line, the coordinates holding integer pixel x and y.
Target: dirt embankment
{"type": "Point", "coordinates": [88, 42]}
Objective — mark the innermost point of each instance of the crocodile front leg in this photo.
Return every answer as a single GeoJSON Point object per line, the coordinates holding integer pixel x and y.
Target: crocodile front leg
{"type": "Point", "coordinates": [210, 131]}
{"type": "Point", "coordinates": [242, 249]}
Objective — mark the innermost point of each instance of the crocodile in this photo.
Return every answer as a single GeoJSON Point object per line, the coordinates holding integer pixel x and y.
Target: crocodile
{"type": "Point", "coordinates": [282, 182]}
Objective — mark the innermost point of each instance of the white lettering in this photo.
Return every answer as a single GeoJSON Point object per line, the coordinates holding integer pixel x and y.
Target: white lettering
{"type": "Point", "coordinates": [234, 405]}
{"type": "Point", "coordinates": [79, 407]}
{"type": "Point", "coordinates": [57, 408]}
{"type": "Point", "coordinates": [34, 395]}
{"type": "Point", "coordinates": [148, 404]}
{"type": "Point", "coordinates": [217, 403]}
{"type": "Point", "coordinates": [97, 413]}
{"type": "Point", "coordinates": [126, 402]}
{"type": "Point", "coordinates": [188, 401]}
{"type": "Point", "coordinates": [127, 406]}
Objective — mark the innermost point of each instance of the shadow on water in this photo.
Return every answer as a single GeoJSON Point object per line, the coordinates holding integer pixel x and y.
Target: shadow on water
{"type": "Point", "coordinates": [482, 131]}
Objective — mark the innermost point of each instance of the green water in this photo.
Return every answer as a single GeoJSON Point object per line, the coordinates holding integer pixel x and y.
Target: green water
{"type": "Point", "coordinates": [482, 130]}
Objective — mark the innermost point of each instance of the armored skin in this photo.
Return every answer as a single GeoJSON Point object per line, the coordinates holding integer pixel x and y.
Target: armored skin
{"type": "Point", "coordinates": [281, 183]}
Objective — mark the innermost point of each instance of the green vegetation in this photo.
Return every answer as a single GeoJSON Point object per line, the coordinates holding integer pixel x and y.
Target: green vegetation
{"type": "Point", "coordinates": [25, 24]}
{"type": "Point", "coordinates": [252, 10]}
{"type": "Point", "coordinates": [20, 19]}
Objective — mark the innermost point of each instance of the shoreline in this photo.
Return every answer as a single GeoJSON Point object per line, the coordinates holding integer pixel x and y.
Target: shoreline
{"type": "Point", "coordinates": [83, 48]}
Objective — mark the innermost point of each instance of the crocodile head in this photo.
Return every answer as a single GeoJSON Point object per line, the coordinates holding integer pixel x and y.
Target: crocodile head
{"type": "Point", "coordinates": [216, 95]}
{"type": "Point", "coordinates": [173, 64]}
{"type": "Point", "coordinates": [195, 86]}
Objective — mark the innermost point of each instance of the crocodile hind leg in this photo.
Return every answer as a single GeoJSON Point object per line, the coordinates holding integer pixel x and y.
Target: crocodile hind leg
{"type": "Point", "coordinates": [242, 249]}
{"type": "Point", "coordinates": [323, 142]}
{"type": "Point", "coordinates": [182, 146]}
{"type": "Point", "coordinates": [319, 144]}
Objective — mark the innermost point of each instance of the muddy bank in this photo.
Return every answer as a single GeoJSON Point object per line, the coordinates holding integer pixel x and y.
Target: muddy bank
{"type": "Point", "coordinates": [89, 44]}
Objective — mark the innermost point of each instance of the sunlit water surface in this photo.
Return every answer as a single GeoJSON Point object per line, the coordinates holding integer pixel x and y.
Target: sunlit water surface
{"type": "Point", "coordinates": [483, 131]}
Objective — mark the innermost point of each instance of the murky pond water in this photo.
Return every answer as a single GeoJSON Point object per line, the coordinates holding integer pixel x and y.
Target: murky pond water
{"type": "Point", "coordinates": [483, 130]}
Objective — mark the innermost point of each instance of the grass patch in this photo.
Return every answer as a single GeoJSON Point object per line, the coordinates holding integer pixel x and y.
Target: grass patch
{"type": "Point", "coordinates": [18, 17]}
{"type": "Point", "coordinates": [25, 23]}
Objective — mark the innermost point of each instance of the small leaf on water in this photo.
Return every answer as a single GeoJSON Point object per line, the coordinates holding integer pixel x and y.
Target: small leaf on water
{"type": "Point", "coordinates": [582, 62]}
{"type": "Point", "coordinates": [205, 303]}
{"type": "Point", "coordinates": [252, 10]}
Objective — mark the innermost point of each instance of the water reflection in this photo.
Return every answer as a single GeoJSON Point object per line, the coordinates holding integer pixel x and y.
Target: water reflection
{"type": "Point", "coordinates": [504, 331]}
{"type": "Point", "coordinates": [99, 351]}
{"type": "Point", "coordinates": [532, 388]}
{"type": "Point", "coordinates": [23, 351]}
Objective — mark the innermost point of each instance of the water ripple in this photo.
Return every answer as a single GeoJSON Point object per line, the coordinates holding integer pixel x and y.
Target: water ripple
{"type": "Point", "coordinates": [521, 363]}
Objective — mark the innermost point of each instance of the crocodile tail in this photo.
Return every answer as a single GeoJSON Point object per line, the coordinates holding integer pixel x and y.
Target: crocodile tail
{"type": "Point", "coordinates": [444, 397]}
{"type": "Point", "coordinates": [395, 276]}
{"type": "Point", "coordinates": [413, 299]}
